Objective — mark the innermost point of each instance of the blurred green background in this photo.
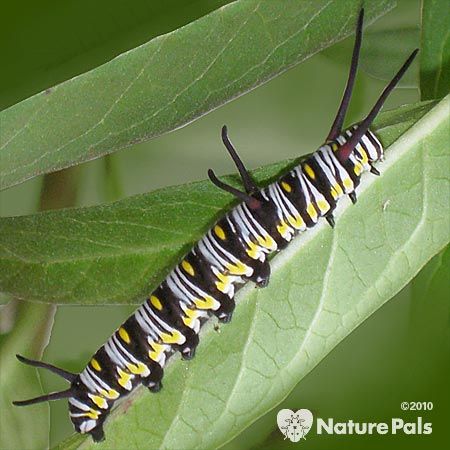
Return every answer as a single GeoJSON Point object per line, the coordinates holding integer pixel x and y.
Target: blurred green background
{"type": "Point", "coordinates": [400, 354]}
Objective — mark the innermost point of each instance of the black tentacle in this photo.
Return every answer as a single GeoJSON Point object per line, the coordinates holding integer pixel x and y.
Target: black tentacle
{"type": "Point", "coordinates": [336, 128]}
{"type": "Point", "coordinates": [344, 152]}
{"type": "Point", "coordinates": [43, 398]}
{"type": "Point", "coordinates": [69, 376]}
{"type": "Point", "coordinates": [248, 199]}
{"type": "Point", "coordinates": [249, 184]}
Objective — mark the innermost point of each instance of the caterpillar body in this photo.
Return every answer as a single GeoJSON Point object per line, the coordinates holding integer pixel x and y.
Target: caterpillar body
{"type": "Point", "coordinates": [233, 252]}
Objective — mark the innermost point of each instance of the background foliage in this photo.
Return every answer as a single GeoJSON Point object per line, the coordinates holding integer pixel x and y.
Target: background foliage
{"type": "Point", "coordinates": [282, 119]}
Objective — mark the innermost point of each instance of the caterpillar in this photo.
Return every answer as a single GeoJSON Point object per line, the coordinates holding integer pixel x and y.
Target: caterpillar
{"type": "Point", "coordinates": [233, 252]}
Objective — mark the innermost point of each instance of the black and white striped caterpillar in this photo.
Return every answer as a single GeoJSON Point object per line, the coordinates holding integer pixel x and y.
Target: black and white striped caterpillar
{"type": "Point", "coordinates": [233, 252]}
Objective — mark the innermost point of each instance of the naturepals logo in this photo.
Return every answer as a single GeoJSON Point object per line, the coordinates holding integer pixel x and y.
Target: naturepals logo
{"type": "Point", "coordinates": [296, 425]}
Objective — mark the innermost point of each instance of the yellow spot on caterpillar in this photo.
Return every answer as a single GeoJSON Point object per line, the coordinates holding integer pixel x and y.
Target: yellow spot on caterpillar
{"type": "Point", "coordinates": [338, 189]}
{"type": "Point", "coordinates": [111, 394]}
{"type": "Point", "coordinates": [296, 222]}
{"type": "Point", "coordinates": [99, 401]}
{"type": "Point", "coordinates": [364, 158]}
{"type": "Point", "coordinates": [138, 369]}
{"type": "Point", "coordinates": [348, 184]}
{"type": "Point", "coordinates": [95, 364]}
{"type": "Point", "coordinates": [124, 379]}
{"type": "Point", "coordinates": [358, 169]}
{"type": "Point", "coordinates": [283, 228]}
{"type": "Point", "coordinates": [334, 146]}
{"type": "Point", "coordinates": [333, 193]}
{"type": "Point", "coordinates": [154, 300]}
{"type": "Point", "coordinates": [286, 186]}
{"type": "Point", "coordinates": [191, 316]}
{"type": "Point", "coordinates": [175, 337]}
{"type": "Point", "coordinates": [187, 267]}
{"type": "Point", "coordinates": [223, 285]}
{"type": "Point", "coordinates": [323, 206]}
{"type": "Point", "coordinates": [219, 232]}
{"type": "Point", "coordinates": [158, 349]}
{"type": "Point", "coordinates": [253, 250]}
{"type": "Point", "coordinates": [237, 268]}
{"type": "Point", "coordinates": [92, 414]}
{"type": "Point", "coordinates": [266, 242]}
{"type": "Point", "coordinates": [124, 335]}
{"type": "Point", "coordinates": [309, 171]}
{"type": "Point", "coordinates": [311, 211]}
{"type": "Point", "coordinates": [208, 302]}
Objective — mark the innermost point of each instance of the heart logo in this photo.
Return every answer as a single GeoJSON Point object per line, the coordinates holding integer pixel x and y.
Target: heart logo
{"type": "Point", "coordinates": [294, 425]}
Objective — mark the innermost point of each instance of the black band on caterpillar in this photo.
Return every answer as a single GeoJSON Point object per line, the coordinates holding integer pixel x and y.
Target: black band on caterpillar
{"type": "Point", "coordinates": [233, 252]}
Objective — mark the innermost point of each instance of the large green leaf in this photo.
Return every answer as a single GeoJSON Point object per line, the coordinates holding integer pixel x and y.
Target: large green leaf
{"type": "Point", "coordinates": [323, 286]}
{"type": "Point", "coordinates": [435, 49]}
{"type": "Point", "coordinates": [44, 43]}
{"type": "Point", "coordinates": [68, 256]}
{"type": "Point", "coordinates": [23, 428]}
{"type": "Point", "coordinates": [168, 82]}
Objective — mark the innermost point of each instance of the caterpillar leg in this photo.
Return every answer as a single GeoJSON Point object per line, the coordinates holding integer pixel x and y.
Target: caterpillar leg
{"type": "Point", "coordinates": [261, 274]}
{"type": "Point", "coordinates": [330, 220]}
{"type": "Point", "coordinates": [375, 171]}
{"type": "Point", "coordinates": [225, 312]}
{"type": "Point", "coordinates": [97, 433]}
{"type": "Point", "coordinates": [153, 381]}
{"type": "Point", "coordinates": [154, 387]}
{"type": "Point", "coordinates": [188, 349]}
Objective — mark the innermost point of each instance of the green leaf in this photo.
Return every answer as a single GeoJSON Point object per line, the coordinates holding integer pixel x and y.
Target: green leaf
{"type": "Point", "coordinates": [322, 287]}
{"type": "Point", "coordinates": [23, 428]}
{"type": "Point", "coordinates": [67, 256]}
{"type": "Point", "coordinates": [383, 53]}
{"type": "Point", "coordinates": [38, 60]}
{"type": "Point", "coordinates": [435, 49]}
{"type": "Point", "coordinates": [168, 82]}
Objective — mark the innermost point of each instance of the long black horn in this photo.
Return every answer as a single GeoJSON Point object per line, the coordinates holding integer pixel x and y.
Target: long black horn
{"type": "Point", "coordinates": [344, 152]}
{"type": "Point", "coordinates": [336, 128]}
{"type": "Point", "coordinates": [248, 199]}
{"type": "Point", "coordinates": [43, 398]}
{"type": "Point", "coordinates": [69, 376]}
{"type": "Point", "coordinates": [249, 184]}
